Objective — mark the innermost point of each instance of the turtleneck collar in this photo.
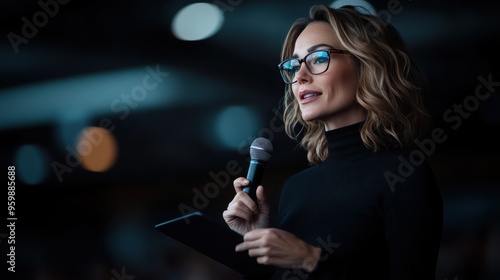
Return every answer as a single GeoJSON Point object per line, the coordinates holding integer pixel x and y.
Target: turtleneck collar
{"type": "Point", "coordinates": [345, 142]}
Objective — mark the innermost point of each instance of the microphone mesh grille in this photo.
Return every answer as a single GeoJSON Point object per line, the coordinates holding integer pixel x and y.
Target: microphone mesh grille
{"type": "Point", "coordinates": [261, 149]}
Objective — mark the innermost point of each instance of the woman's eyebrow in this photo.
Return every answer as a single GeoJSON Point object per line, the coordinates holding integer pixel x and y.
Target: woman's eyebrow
{"type": "Point", "coordinates": [313, 48]}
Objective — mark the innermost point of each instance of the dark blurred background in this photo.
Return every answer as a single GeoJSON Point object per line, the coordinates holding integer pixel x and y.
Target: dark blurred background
{"type": "Point", "coordinates": [174, 117]}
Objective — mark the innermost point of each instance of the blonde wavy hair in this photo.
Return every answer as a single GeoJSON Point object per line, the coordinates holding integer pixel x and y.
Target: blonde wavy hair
{"type": "Point", "coordinates": [389, 83]}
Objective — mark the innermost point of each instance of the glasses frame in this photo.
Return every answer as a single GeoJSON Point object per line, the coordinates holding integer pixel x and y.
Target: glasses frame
{"type": "Point", "coordinates": [331, 50]}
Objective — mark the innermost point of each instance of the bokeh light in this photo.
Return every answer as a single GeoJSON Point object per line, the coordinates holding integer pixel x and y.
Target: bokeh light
{"type": "Point", "coordinates": [236, 124]}
{"type": "Point", "coordinates": [366, 7]}
{"type": "Point", "coordinates": [32, 164]}
{"type": "Point", "coordinates": [97, 149]}
{"type": "Point", "coordinates": [197, 21]}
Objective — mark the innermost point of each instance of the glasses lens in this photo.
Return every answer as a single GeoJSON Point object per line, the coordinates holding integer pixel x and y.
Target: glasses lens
{"type": "Point", "coordinates": [317, 62]}
{"type": "Point", "coordinates": [288, 69]}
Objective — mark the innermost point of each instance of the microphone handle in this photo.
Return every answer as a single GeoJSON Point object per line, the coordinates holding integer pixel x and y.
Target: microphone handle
{"type": "Point", "coordinates": [254, 175]}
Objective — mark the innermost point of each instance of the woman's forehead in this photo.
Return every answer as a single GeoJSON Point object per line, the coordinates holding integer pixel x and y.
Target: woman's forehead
{"type": "Point", "coordinates": [315, 33]}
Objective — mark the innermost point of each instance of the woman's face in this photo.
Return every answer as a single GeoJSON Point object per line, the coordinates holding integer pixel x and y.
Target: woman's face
{"type": "Point", "coordinates": [331, 96]}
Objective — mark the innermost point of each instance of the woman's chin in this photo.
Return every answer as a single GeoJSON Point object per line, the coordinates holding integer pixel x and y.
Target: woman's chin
{"type": "Point", "coordinates": [308, 117]}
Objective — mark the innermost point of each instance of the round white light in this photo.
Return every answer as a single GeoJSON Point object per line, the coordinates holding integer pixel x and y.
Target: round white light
{"type": "Point", "coordinates": [197, 21]}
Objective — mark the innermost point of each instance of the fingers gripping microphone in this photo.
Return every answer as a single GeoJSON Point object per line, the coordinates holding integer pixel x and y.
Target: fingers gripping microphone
{"type": "Point", "coordinates": [260, 152]}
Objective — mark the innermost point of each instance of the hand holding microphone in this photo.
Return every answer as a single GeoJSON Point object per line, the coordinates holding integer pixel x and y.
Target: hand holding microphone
{"type": "Point", "coordinates": [249, 210]}
{"type": "Point", "coordinates": [260, 152]}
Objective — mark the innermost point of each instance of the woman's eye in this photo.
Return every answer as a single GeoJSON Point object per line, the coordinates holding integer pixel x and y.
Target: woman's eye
{"type": "Point", "coordinates": [320, 59]}
{"type": "Point", "coordinates": [293, 69]}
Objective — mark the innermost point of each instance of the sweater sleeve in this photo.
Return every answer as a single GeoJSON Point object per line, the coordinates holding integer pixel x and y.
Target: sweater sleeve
{"type": "Point", "coordinates": [413, 225]}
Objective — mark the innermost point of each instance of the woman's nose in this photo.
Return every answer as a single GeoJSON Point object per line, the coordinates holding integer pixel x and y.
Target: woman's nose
{"type": "Point", "coordinates": [303, 74]}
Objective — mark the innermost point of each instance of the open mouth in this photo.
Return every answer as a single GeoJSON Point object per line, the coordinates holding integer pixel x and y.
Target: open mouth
{"type": "Point", "coordinates": [308, 95]}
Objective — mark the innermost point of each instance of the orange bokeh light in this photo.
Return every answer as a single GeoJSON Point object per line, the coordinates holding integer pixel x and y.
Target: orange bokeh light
{"type": "Point", "coordinates": [97, 149]}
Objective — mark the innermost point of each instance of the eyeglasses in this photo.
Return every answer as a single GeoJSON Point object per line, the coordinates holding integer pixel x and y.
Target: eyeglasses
{"type": "Point", "coordinates": [317, 62]}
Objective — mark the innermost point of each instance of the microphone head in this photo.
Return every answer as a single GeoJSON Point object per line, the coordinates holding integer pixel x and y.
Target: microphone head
{"type": "Point", "coordinates": [261, 149]}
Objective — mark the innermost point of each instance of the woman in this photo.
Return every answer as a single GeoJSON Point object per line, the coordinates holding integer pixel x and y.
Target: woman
{"type": "Point", "coordinates": [362, 210]}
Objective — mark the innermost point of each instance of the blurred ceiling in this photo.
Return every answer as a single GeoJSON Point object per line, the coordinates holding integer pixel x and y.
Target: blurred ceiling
{"type": "Point", "coordinates": [82, 59]}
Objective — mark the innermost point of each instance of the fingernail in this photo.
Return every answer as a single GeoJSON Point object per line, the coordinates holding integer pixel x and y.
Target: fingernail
{"type": "Point", "coordinates": [239, 247]}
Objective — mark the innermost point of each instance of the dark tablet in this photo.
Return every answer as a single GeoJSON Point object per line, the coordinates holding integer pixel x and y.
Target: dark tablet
{"type": "Point", "coordinates": [213, 240]}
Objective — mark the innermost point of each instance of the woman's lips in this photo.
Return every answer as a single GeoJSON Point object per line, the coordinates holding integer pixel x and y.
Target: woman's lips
{"type": "Point", "coordinates": [307, 96]}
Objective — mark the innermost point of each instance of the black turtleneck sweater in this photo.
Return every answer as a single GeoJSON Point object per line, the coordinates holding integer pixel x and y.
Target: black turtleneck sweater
{"type": "Point", "coordinates": [367, 223]}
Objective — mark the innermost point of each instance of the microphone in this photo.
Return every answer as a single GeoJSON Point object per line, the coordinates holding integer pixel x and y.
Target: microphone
{"type": "Point", "coordinates": [260, 152]}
